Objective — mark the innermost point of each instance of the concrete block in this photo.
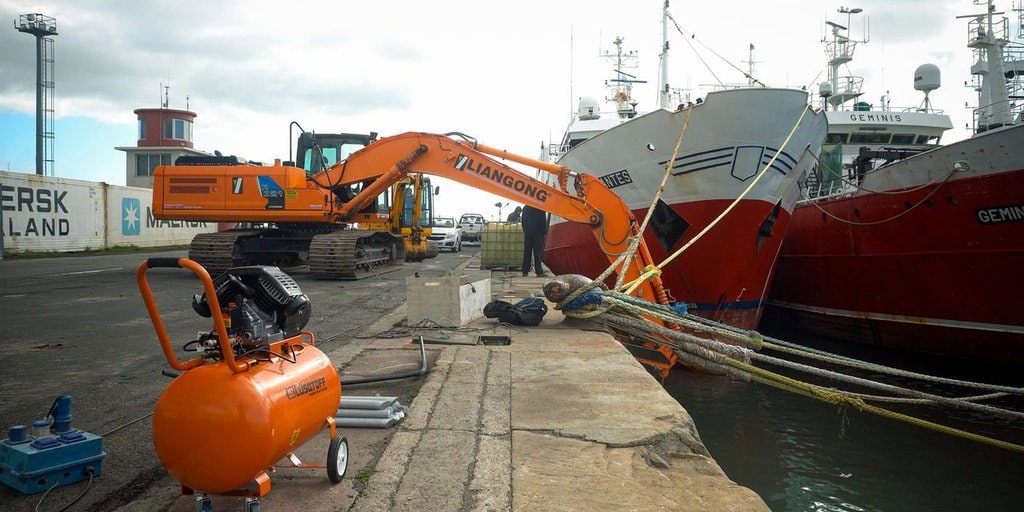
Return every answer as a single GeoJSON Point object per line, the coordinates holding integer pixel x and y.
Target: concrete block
{"type": "Point", "coordinates": [451, 301]}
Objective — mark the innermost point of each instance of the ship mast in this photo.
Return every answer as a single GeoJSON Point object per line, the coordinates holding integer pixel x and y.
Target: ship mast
{"type": "Point", "coordinates": [665, 96]}
{"type": "Point", "coordinates": [622, 84]}
{"type": "Point", "coordinates": [988, 38]}
{"type": "Point", "coordinates": [839, 51]}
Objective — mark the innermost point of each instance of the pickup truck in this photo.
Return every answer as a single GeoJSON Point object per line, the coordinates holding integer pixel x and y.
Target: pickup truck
{"type": "Point", "coordinates": [472, 225]}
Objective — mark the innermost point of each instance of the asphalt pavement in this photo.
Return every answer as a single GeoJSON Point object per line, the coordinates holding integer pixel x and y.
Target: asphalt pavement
{"type": "Point", "coordinates": [77, 325]}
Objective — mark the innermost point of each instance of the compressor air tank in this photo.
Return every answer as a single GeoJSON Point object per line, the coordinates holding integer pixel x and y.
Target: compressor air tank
{"type": "Point", "coordinates": [215, 429]}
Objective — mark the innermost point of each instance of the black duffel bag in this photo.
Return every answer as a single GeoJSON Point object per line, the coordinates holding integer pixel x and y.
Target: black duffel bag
{"type": "Point", "coordinates": [529, 311]}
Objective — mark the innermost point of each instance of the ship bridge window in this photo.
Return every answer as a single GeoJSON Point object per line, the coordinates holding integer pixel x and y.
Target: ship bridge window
{"type": "Point", "coordinates": [927, 139]}
{"type": "Point", "coordinates": [869, 138]}
{"type": "Point", "coordinates": [836, 138]}
{"type": "Point", "coordinates": [903, 138]}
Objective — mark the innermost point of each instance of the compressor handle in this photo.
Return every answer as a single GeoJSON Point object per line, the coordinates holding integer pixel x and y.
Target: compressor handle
{"type": "Point", "coordinates": [163, 263]}
{"type": "Point", "coordinates": [158, 323]}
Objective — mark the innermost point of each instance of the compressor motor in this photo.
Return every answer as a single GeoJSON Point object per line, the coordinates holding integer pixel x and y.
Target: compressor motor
{"type": "Point", "coordinates": [260, 305]}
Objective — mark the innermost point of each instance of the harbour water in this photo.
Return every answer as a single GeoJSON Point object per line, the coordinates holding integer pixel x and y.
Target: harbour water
{"type": "Point", "coordinates": [801, 455]}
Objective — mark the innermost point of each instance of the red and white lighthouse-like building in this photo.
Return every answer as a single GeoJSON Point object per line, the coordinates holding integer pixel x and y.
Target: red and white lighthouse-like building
{"type": "Point", "coordinates": [164, 135]}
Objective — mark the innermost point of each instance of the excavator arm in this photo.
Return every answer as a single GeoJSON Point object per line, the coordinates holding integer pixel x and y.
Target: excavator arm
{"type": "Point", "coordinates": [468, 162]}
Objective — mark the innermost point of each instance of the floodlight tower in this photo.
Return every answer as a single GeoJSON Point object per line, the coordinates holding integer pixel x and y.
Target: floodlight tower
{"type": "Point", "coordinates": [42, 27]}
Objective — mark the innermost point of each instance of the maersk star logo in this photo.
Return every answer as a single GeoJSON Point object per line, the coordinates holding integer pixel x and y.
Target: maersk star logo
{"type": "Point", "coordinates": [131, 224]}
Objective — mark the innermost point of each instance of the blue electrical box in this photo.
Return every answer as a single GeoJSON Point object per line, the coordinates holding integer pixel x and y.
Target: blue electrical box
{"type": "Point", "coordinates": [36, 464]}
{"type": "Point", "coordinates": [51, 457]}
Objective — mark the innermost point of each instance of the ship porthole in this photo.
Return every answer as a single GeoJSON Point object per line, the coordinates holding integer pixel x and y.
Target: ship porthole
{"type": "Point", "coordinates": [650, 147]}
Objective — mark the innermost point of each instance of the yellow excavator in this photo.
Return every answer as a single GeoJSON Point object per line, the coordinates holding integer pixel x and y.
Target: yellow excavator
{"type": "Point", "coordinates": [410, 215]}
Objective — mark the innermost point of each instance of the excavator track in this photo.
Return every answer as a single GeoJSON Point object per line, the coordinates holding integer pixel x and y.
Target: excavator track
{"type": "Point", "coordinates": [355, 254]}
{"type": "Point", "coordinates": [216, 252]}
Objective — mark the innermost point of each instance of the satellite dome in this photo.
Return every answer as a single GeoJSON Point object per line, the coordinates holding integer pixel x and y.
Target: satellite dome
{"type": "Point", "coordinates": [589, 109]}
{"type": "Point", "coordinates": [927, 77]}
{"type": "Point", "coordinates": [825, 89]}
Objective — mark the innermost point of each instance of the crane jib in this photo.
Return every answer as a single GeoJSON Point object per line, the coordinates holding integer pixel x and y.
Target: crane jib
{"type": "Point", "coordinates": [507, 178]}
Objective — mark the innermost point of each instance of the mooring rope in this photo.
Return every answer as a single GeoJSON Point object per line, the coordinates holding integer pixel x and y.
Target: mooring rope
{"type": "Point", "coordinates": [780, 345]}
{"type": "Point", "coordinates": [843, 399]}
{"type": "Point", "coordinates": [637, 319]}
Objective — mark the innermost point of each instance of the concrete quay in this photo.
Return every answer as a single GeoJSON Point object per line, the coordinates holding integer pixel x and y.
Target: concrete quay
{"type": "Point", "coordinates": [562, 419]}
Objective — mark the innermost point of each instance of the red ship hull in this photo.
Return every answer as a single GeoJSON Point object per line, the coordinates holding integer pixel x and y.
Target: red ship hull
{"type": "Point", "coordinates": [724, 276]}
{"type": "Point", "coordinates": [944, 277]}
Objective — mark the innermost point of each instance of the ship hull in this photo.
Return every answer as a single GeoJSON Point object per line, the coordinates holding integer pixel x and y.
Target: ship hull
{"type": "Point", "coordinates": [731, 140]}
{"type": "Point", "coordinates": [724, 278]}
{"type": "Point", "coordinates": [935, 265]}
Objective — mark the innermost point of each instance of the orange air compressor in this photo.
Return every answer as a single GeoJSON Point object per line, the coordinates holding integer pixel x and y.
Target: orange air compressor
{"type": "Point", "coordinates": [257, 390]}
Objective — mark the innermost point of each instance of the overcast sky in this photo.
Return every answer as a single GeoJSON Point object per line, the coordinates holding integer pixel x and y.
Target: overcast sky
{"type": "Point", "coordinates": [504, 72]}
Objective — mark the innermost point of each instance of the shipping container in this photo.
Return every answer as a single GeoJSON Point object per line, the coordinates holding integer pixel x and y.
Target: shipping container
{"type": "Point", "coordinates": [50, 214]}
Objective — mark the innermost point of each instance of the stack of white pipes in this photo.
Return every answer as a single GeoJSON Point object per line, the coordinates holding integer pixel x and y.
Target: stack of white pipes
{"type": "Point", "coordinates": [369, 411]}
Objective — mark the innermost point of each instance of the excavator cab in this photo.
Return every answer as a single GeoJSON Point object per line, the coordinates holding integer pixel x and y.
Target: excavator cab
{"type": "Point", "coordinates": [318, 151]}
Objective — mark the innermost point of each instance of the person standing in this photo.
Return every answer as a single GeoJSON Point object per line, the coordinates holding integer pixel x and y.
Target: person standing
{"type": "Point", "coordinates": [535, 228]}
{"type": "Point", "coordinates": [516, 215]}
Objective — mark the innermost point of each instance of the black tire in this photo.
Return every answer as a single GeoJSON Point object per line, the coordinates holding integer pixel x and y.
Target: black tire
{"type": "Point", "coordinates": [337, 459]}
